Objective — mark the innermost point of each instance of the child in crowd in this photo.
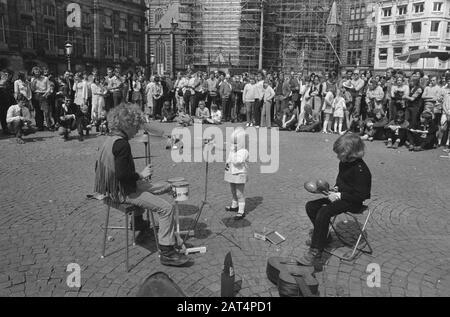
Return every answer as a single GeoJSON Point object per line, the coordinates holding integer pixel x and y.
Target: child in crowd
{"type": "Point", "coordinates": [396, 130]}
{"type": "Point", "coordinates": [327, 109]}
{"type": "Point", "coordinates": [289, 120]}
{"type": "Point", "coordinates": [339, 107]}
{"type": "Point", "coordinates": [83, 122]}
{"type": "Point", "coordinates": [103, 125]}
{"type": "Point", "coordinates": [356, 125]}
{"type": "Point", "coordinates": [216, 115]}
{"type": "Point", "coordinates": [310, 122]}
{"type": "Point", "coordinates": [236, 172]}
{"type": "Point", "coordinates": [167, 114]}
{"type": "Point", "coordinates": [423, 137]}
{"type": "Point", "coordinates": [202, 113]}
{"type": "Point", "coordinates": [374, 126]}
{"type": "Point", "coordinates": [98, 101]}
{"type": "Point", "coordinates": [353, 187]}
{"type": "Point", "coordinates": [184, 119]}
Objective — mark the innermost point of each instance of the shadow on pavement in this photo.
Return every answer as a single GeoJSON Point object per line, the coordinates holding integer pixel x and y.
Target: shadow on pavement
{"type": "Point", "coordinates": [252, 203]}
{"type": "Point", "coordinates": [230, 222]}
{"type": "Point", "coordinates": [188, 210]}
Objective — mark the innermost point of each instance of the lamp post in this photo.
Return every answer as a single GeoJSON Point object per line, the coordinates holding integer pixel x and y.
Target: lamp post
{"type": "Point", "coordinates": [174, 27]}
{"type": "Point", "coordinates": [152, 61]}
{"type": "Point", "coordinates": [69, 50]}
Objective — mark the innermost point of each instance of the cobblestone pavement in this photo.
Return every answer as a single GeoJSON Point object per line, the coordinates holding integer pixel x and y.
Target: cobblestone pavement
{"type": "Point", "coordinates": [47, 223]}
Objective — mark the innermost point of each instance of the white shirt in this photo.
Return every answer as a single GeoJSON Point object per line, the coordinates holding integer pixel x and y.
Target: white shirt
{"type": "Point", "coordinates": [259, 90]}
{"type": "Point", "coordinates": [14, 113]}
{"type": "Point", "coordinates": [238, 161]}
{"type": "Point", "coordinates": [249, 93]}
{"type": "Point", "coordinates": [269, 93]}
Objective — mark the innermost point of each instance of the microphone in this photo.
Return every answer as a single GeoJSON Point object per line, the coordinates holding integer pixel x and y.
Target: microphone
{"type": "Point", "coordinates": [152, 130]}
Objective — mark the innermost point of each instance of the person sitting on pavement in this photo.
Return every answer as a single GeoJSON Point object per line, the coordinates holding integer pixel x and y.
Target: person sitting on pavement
{"type": "Point", "coordinates": [423, 137]}
{"type": "Point", "coordinates": [167, 114]}
{"type": "Point", "coordinates": [289, 120]}
{"type": "Point", "coordinates": [116, 178]}
{"type": "Point", "coordinates": [353, 187]}
{"type": "Point", "coordinates": [18, 118]}
{"type": "Point", "coordinates": [216, 115]}
{"type": "Point", "coordinates": [202, 113]}
{"type": "Point", "coordinates": [374, 127]}
{"type": "Point", "coordinates": [310, 122]}
{"type": "Point", "coordinates": [396, 131]}
{"type": "Point", "coordinates": [184, 119]}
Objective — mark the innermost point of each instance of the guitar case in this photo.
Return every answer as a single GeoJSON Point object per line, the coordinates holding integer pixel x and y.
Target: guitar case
{"type": "Point", "coordinates": [160, 285]}
{"type": "Point", "coordinates": [291, 278]}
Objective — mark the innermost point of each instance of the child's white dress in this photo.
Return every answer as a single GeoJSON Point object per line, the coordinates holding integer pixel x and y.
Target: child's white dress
{"type": "Point", "coordinates": [339, 107]}
{"type": "Point", "coordinates": [237, 167]}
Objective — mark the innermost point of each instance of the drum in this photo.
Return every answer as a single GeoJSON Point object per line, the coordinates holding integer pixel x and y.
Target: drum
{"type": "Point", "coordinates": [160, 188]}
{"type": "Point", "coordinates": [176, 180]}
{"type": "Point", "coordinates": [181, 191]}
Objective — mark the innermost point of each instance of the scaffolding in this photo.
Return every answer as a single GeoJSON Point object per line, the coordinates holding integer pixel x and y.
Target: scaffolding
{"type": "Point", "coordinates": [227, 32]}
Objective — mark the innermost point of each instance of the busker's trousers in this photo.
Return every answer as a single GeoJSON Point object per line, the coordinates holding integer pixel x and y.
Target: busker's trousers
{"type": "Point", "coordinates": [320, 213]}
{"type": "Point", "coordinates": [144, 199]}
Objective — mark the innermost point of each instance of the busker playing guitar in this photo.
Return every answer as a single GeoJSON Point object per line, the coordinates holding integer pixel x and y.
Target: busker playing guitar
{"type": "Point", "coordinates": [117, 179]}
{"type": "Point", "coordinates": [353, 186]}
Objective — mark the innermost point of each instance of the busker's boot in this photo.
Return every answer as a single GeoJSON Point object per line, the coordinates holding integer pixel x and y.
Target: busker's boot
{"type": "Point", "coordinates": [311, 257]}
{"type": "Point", "coordinates": [329, 241]}
{"type": "Point", "coordinates": [170, 257]}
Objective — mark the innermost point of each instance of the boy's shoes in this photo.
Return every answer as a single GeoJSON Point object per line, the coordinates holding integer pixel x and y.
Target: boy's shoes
{"type": "Point", "coordinates": [418, 149]}
{"type": "Point", "coordinates": [311, 257]}
{"type": "Point", "coordinates": [239, 217]}
{"type": "Point", "coordinates": [231, 209]}
{"type": "Point", "coordinates": [389, 144]}
{"type": "Point", "coordinates": [20, 141]}
{"type": "Point", "coordinates": [396, 144]}
{"type": "Point", "coordinates": [170, 257]}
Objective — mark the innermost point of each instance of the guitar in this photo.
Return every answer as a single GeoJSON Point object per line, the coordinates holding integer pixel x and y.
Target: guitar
{"type": "Point", "coordinates": [292, 279]}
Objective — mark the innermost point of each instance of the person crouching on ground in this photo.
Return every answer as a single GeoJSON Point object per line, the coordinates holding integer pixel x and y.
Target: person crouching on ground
{"type": "Point", "coordinates": [116, 177]}
{"type": "Point", "coordinates": [374, 127]}
{"type": "Point", "coordinates": [18, 119]}
{"type": "Point", "coordinates": [423, 137]}
{"type": "Point", "coordinates": [396, 130]}
{"type": "Point", "coordinates": [353, 187]}
{"type": "Point", "coordinates": [167, 114]}
{"type": "Point", "coordinates": [289, 120]}
{"type": "Point", "coordinates": [67, 117]}
{"type": "Point", "coordinates": [236, 172]}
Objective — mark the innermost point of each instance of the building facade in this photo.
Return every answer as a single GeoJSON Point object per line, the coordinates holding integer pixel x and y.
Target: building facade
{"type": "Point", "coordinates": [358, 34]}
{"type": "Point", "coordinates": [411, 25]}
{"type": "Point", "coordinates": [34, 32]}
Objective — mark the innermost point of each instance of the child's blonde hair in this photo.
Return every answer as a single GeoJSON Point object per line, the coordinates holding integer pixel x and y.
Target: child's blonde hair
{"type": "Point", "coordinates": [349, 148]}
{"type": "Point", "coordinates": [239, 138]}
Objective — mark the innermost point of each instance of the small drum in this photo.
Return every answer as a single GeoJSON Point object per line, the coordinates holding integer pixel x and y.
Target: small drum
{"type": "Point", "coordinates": [181, 190]}
{"type": "Point", "coordinates": [160, 188]}
{"type": "Point", "coordinates": [176, 180]}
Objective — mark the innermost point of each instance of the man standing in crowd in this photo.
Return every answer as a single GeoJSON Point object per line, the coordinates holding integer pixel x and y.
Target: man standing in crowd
{"type": "Point", "coordinates": [41, 88]}
{"type": "Point", "coordinates": [357, 91]}
{"type": "Point", "coordinates": [225, 91]}
{"type": "Point", "coordinates": [259, 95]}
{"type": "Point", "coordinates": [212, 90]}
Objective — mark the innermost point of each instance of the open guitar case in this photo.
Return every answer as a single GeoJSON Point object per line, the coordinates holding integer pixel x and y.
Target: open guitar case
{"type": "Point", "coordinates": [291, 278]}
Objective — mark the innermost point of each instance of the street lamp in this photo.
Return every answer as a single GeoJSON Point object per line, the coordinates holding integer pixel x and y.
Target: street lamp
{"type": "Point", "coordinates": [69, 50]}
{"type": "Point", "coordinates": [174, 27]}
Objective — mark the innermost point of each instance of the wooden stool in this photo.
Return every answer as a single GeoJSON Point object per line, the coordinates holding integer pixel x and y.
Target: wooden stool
{"type": "Point", "coordinates": [128, 210]}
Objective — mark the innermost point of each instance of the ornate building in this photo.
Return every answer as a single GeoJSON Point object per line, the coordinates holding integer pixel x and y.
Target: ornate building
{"type": "Point", "coordinates": [34, 32]}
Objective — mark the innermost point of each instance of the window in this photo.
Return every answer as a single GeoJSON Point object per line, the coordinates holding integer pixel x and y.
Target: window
{"type": "Point", "coordinates": [28, 6]}
{"type": "Point", "coordinates": [387, 12]}
{"type": "Point", "coordinates": [370, 56]}
{"type": "Point", "coordinates": [400, 28]}
{"type": "Point", "coordinates": [134, 49]}
{"type": "Point", "coordinates": [354, 57]}
{"type": "Point", "coordinates": [2, 29]}
{"type": "Point", "coordinates": [353, 14]}
{"type": "Point", "coordinates": [351, 34]}
{"type": "Point", "coordinates": [29, 43]}
{"type": "Point", "coordinates": [122, 48]}
{"type": "Point", "coordinates": [433, 47]}
{"type": "Point", "coordinates": [123, 22]}
{"type": "Point", "coordinates": [402, 10]}
{"type": "Point", "coordinates": [158, 15]}
{"type": "Point", "coordinates": [108, 21]}
{"type": "Point", "coordinates": [419, 7]}
{"type": "Point", "coordinates": [87, 45]}
{"type": "Point", "coordinates": [383, 54]}
{"type": "Point", "coordinates": [371, 33]}
{"type": "Point", "coordinates": [49, 10]}
{"type": "Point", "coordinates": [398, 51]}
{"type": "Point", "coordinates": [413, 48]}
{"type": "Point", "coordinates": [447, 48]}
{"type": "Point", "coordinates": [435, 26]}
{"type": "Point", "coordinates": [437, 6]}
{"type": "Point", "coordinates": [416, 27]}
{"type": "Point", "coordinates": [363, 12]}
{"type": "Point", "coordinates": [358, 13]}
{"type": "Point", "coordinates": [109, 47]}
{"type": "Point", "coordinates": [385, 30]}
{"type": "Point", "coordinates": [50, 38]}
{"type": "Point", "coordinates": [448, 27]}
{"type": "Point", "coordinates": [182, 55]}
{"type": "Point", "coordinates": [85, 18]}
{"type": "Point", "coordinates": [136, 26]}
{"type": "Point", "coordinates": [161, 53]}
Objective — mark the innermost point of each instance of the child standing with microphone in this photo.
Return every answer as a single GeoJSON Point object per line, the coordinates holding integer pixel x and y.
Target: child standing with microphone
{"type": "Point", "coordinates": [236, 172]}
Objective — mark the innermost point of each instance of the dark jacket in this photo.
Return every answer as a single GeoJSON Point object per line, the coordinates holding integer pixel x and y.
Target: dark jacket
{"type": "Point", "coordinates": [354, 182]}
{"type": "Point", "coordinates": [124, 166]}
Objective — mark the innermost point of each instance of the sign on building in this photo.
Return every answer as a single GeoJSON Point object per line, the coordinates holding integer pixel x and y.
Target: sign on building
{"type": "Point", "coordinates": [73, 15]}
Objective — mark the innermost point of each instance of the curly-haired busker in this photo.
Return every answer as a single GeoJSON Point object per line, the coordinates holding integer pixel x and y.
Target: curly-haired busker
{"type": "Point", "coordinates": [116, 177]}
{"type": "Point", "coordinates": [353, 187]}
